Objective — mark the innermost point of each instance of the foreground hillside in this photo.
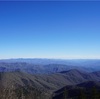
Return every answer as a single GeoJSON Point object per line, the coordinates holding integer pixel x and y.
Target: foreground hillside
{"type": "Point", "coordinates": [20, 84]}
{"type": "Point", "coordinates": [86, 90]}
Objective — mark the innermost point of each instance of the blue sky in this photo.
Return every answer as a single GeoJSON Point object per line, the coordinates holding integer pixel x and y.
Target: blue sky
{"type": "Point", "coordinates": [50, 29]}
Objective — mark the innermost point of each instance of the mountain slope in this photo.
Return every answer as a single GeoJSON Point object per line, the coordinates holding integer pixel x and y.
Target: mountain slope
{"type": "Point", "coordinates": [19, 84]}
{"type": "Point", "coordinates": [86, 90]}
{"type": "Point", "coordinates": [48, 83]}
{"type": "Point", "coordinates": [45, 66]}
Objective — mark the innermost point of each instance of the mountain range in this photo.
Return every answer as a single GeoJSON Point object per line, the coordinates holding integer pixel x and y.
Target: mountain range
{"type": "Point", "coordinates": [29, 80]}
{"type": "Point", "coordinates": [47, 66]}
{"type": "Point", "coordinates": [49, 83]}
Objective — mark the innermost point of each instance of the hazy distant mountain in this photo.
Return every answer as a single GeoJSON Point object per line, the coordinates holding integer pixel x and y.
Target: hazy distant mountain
{"type": "Point", "coordinates": [54, 61]}
{"type": "Point", "coordinates": [32, 68]}
{"type": "Point", "coordinates": [46, 66]}
{"type": "Point", "coordinates": [73, 62]}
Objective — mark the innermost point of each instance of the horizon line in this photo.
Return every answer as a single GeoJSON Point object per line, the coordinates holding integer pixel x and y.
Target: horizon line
{"type": "Point", "coordinates": [53, 58]}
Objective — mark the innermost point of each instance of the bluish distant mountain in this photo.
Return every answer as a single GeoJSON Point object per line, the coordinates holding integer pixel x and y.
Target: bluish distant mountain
{"type": "Point", "coordinates": [40, 66]}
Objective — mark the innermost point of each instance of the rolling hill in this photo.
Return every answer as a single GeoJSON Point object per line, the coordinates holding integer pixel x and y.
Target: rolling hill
{"type": "Point", "coordinates": [46, 84]}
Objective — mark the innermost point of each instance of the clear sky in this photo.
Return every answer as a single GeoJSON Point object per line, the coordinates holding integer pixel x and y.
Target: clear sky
{"type": "Point", "coordinates": [50, 29]}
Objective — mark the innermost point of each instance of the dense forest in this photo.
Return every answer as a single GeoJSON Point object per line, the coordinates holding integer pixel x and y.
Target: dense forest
{"type": "Point", "coordinates": [31, 93]}
{"type": "Point", "coordinates": [22, 93]}
{"type": "Point", "coordinates": [92, 93]}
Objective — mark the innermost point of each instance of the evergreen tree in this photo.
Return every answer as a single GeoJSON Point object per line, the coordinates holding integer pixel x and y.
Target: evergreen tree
{"type": "Point", "coordinates": [82, 94]}
{"type": "Point", "coordinates": [94, 94]}
{"type": "Point", "coordinates": [65, 94]}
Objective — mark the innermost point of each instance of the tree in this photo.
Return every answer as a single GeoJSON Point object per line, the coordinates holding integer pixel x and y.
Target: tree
{"type": "Point", "coordinates": [65, 94]}
{"type": "Point", "coordinates": [94, 94]}
{"type": "Point", "coordinates": [82, 94]}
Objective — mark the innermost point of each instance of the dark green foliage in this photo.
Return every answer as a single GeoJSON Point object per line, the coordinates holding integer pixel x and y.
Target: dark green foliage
{"type": "Point", "coordinates": [79, 93]}
{"type": "Point", "coordinates": [95, 93]}
{"type": "Point", "coordinates": [22, 93]}
{"type": "Point", "coordinates": [65, 94]}
{"type": "Point", "coordinates": [82, 94]}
